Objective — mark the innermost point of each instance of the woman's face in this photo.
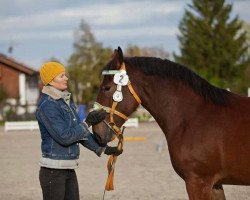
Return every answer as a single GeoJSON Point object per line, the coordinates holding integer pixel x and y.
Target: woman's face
{"type": "Point", "coordinates": [60, 82]}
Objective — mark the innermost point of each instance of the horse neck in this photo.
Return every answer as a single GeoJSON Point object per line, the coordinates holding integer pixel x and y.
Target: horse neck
{"type": "Point", "coordinates": [169, 101]}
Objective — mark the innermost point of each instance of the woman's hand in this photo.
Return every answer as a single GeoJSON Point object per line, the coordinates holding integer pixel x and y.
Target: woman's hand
{"type": "Point", "coordinates": [95, 117]}
{"type": "Point", "coordinates": [112, 151]}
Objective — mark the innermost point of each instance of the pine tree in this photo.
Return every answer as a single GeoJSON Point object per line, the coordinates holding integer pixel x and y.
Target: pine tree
{"type": "Point", "coordinates": [213, 44]}
{"type": "Point", "coordinates": [85, 63]}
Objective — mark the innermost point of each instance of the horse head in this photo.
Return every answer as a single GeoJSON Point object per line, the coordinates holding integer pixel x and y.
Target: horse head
{"type": "Point", "coordinates": [115, 97]}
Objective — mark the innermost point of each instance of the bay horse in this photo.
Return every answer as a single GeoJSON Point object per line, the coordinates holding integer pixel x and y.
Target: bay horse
{"type": "Point", "coordinates": [207, 128]}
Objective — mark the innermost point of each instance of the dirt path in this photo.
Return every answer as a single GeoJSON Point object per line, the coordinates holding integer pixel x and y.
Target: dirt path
{"type": "Point", "coordinates": [143, 172]}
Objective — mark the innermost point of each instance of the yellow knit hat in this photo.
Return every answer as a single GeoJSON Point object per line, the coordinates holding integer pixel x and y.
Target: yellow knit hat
{"type": "Point", "coordinates": [49, 71]}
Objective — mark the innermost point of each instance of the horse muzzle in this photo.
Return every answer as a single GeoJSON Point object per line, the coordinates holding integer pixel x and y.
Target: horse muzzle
{"type": "Point", "coordinates": [103, 133]}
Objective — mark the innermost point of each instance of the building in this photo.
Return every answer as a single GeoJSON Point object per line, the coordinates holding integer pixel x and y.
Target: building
{"type": "Point", "coordinates": [19, 82]}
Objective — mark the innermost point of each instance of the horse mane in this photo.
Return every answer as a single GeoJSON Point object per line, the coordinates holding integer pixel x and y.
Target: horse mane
{"type": "Point", "coordinates": [168, 69]}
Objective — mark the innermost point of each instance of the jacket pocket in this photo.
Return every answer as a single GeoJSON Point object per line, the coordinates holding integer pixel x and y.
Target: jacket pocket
{"type": "Point", "coordinates": [67, 114]}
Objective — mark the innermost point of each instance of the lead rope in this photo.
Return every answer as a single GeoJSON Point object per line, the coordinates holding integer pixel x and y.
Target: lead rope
{"type": "Point", "coordinates": [112, 160]}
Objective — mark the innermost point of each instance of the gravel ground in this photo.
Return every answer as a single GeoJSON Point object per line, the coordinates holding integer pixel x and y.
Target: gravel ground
{"type": "Point", "coordinates": [143, 171]}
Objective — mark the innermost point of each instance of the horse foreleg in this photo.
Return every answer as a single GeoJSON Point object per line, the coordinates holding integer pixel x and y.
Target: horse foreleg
{"type": "Point", "coordinates": [218, 193]}
{"type": "Point", "coordinates": [198, 190]}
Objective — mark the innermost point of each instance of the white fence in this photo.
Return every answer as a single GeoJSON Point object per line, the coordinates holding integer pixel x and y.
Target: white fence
{"type": "Point", "coordinates": [132, 122]}
{"type": "Point", "coordinates": [33, 125]}
{"type": "Point", "coordinates": [21, 125]}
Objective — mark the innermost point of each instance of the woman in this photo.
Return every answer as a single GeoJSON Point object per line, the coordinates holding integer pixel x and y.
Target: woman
{"type": "Point", "coordinates": [61, 130]}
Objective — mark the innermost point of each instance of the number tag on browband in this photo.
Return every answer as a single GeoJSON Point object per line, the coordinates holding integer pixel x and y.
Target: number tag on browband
{"type": "Point", "coordinates": [117, 96]}
{"type": "Point", "coordinates": [121, 78]}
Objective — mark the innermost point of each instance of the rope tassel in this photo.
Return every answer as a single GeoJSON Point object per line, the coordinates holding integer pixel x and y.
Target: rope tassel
{"type": "Point", "coordinates": [111, 170]}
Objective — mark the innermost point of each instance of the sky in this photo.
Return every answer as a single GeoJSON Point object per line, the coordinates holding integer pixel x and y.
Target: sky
{"type": "Point", "coordinates": [39, 30]}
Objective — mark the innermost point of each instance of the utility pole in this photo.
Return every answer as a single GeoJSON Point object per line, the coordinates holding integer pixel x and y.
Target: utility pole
{"type": "Point", "coordinates": [11, 46]}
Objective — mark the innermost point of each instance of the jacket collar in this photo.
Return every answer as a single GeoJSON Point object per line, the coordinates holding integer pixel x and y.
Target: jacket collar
{"type": "Point", "coordinates": [53, 92]}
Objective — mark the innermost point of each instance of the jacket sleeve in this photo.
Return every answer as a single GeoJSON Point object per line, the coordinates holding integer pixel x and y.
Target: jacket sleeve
{"type": "Point", "coordinates": [91, 143]}
{"type": "Point", "coordinates": [52, 118]}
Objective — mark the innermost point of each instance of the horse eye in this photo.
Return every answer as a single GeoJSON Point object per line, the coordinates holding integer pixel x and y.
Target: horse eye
{"type": "Point", "coordinates": [106, 88]}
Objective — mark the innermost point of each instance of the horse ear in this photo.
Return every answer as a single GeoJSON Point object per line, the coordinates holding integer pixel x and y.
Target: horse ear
{"type": "Point", "coordinates": [120, 54]}
{"type": "Point", "coordinates": [117, 58]}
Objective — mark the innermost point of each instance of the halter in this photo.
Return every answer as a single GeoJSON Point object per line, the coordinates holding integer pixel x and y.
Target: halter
{"type": "Point", "coordinates": [120, 79]}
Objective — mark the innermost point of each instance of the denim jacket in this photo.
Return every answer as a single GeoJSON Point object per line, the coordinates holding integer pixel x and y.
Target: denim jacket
{"type": "Point", "coordinates": [61, 128]}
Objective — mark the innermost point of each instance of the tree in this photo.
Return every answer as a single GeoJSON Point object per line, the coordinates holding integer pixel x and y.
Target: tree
{"type": "Point", "coordinates": [85, 63]}
{"type": "Point", "coordinates": [246, 27]}
{"type": "Point", "coordinates": [133, 50]}
{"type": "Point", "coordinates": [246, 80]}
{"type": "Point", "coordinates": [213, 45]}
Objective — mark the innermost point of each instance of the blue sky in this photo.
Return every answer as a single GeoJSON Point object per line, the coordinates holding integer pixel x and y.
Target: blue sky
{"type": "Point", "coordinates": [39, 30]}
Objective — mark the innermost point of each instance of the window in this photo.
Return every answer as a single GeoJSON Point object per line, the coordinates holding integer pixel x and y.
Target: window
{"type": "Point", "coordinates": [32, 81]}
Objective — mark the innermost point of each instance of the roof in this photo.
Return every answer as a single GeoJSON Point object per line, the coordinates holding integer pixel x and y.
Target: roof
{"type": "Point", "coordinates": [12, 63]}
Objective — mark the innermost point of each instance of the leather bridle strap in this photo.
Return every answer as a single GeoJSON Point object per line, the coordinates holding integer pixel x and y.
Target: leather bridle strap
{"type": "Point", "coordinates": [112, 111]}
{"type": "Point", "coordinates": [132, 91]}
{"type": "Point", "coordinates": [108, 110]}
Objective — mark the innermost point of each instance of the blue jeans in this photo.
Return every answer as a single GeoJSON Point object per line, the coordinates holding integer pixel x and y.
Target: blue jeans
{"type": "Point", "coordinates": [59, 184]}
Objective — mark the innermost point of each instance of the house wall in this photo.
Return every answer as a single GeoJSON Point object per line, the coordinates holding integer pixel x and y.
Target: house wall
{"type": "Point", "coordinates": [7, 76]}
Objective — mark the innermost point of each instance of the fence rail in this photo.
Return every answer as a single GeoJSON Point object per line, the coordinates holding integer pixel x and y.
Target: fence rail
{"type": "Point", "coordinates": [33, 125]}
{"type": "Point", "coordinates": [132, 122]}
{"type": "Point", "coordinates": [21, 125]}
